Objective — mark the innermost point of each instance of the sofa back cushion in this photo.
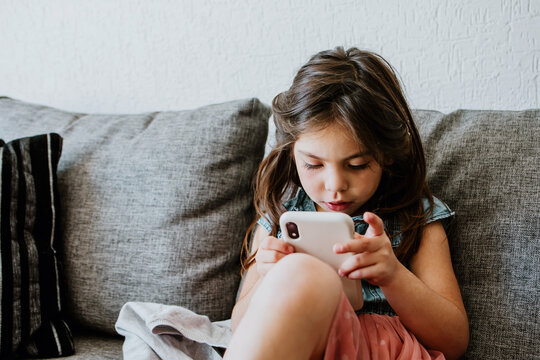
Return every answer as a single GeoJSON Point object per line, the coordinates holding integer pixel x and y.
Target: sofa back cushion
{"type": "Point", "coordinates": [485, 165]}
{"type": "Point", "coordinates": [154, 206]}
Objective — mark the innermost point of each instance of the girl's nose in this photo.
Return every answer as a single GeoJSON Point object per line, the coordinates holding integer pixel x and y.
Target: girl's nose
{"type": "Point", "coordinates": [335, 182]}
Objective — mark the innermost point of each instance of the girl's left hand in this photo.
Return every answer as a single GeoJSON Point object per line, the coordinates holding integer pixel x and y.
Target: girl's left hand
{"type": "Point", "coordinates": [373, 258]}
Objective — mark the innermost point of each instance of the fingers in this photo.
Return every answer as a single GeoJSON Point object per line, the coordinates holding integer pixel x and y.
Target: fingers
{"type": "Point", "coordinates": [359, 244]}
{"type": "Point", "coordinates": [363, 264]}
{"type": "Point", "coordinates": [375, 229]}
{"type": "Point", "coordinates": [371, 273]}
{"type": "Point", "coordinates": [270, 252]}
{"type": "Point", "coordinates": [373, 258]}
{"type": "Point", "coordinates": [274, 244]}
{"type": "Point", "coordinates": [376, 226]}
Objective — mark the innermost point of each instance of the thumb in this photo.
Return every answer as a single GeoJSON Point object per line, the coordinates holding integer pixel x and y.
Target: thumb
{"type": "Point", "coordinates": [376, 226]}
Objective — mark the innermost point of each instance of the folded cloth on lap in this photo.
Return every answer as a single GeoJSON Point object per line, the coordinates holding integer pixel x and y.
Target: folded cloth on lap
{"type": "Point", "coordinates": [157, 331]}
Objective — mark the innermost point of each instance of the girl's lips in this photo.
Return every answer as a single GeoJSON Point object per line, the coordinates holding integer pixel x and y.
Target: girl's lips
{"type": "Point", "coordinates": [338, 205]}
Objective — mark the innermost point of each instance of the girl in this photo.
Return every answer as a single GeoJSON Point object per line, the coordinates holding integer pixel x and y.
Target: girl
{"type": "Point", "coordinates": [346, 141]}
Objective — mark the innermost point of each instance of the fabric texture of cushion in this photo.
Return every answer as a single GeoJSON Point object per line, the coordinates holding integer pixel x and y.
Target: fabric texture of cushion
{"type": "Point", "coordinates": [485, 165]}
{"type": "Point", "coordinates": [94, 346]}
{"type": "Point", "coordinates": [31, 319]}
{"type": "Point", "coordinates": [154, 206]}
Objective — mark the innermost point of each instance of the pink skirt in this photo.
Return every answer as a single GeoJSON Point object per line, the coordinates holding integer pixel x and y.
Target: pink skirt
{"type": "Point", "coordinates": [372, 336]}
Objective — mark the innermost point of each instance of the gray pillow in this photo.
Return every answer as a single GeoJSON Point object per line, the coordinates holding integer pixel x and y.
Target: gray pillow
{"type": "Point", "coordinates": [153, 206]}
{"type": "Point", "coordinates": [485, 165]}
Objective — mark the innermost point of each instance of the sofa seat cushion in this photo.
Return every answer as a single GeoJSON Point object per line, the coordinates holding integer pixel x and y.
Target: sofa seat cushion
{"type": "Point", "coordinates": [95, 346]}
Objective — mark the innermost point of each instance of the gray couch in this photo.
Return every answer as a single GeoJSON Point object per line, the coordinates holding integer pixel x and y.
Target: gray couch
{"type": "Point", "coordinates": [152, 207]}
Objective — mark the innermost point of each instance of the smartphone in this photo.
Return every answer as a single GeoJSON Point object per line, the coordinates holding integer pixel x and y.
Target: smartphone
{"type": "Point", "coordinates": [315, 233]}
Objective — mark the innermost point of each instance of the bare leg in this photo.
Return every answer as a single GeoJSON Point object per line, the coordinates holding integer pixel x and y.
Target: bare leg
{"type": "Point", "coordinates": [290, 315]}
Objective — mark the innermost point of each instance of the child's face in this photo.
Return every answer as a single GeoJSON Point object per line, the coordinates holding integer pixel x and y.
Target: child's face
{"type": "Point", "coordinates": [336, 173]}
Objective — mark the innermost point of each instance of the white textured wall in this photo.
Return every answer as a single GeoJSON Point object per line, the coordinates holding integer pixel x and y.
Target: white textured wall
{"type": "Point", "coordinates": [141, 55]}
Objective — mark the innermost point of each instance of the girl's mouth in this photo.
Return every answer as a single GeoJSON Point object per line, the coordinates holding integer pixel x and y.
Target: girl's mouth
{"type": "Point", "coordinates": [337, 205]}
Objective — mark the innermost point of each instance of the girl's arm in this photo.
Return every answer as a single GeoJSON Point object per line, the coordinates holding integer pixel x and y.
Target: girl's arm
{"type": "Point", "coordinates": [269, 251]}
{"type": "Point", "coordinates": [427, 297]}
{"type": "Point", "coordinates": [251, 281]}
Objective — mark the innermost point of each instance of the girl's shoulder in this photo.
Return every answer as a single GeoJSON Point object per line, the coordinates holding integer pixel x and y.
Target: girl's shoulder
{"type": "Point", "coordinates": [439, 212]}
{"type": "Point", "coordinates": [265, 223]}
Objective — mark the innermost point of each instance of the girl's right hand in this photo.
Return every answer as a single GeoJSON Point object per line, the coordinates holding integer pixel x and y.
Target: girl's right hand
{"type": "Point", "coordinates": [270, 251]}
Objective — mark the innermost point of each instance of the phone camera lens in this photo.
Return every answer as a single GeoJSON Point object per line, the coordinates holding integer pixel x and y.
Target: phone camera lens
{"type": "Point", "coordinates": [292, 230]}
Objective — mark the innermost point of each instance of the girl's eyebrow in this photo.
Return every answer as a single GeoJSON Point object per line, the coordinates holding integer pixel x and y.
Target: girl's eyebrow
{"type": "Point", "coordinates": [353, 156]}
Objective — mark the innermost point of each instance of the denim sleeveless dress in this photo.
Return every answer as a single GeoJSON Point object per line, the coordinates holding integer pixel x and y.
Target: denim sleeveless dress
{"type": "Point", "coordinates": [374, 299]}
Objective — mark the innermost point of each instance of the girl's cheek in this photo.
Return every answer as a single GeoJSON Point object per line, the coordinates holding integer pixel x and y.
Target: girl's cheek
{"type": "Point", "coordinates": [309, 178]}
{"type": "Point", "coordinates": [307, 174]}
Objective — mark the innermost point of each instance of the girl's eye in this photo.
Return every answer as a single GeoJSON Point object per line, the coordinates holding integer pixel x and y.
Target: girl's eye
{"type": "Point", "coordinates": [311, 166]}
{"type": "Point", "coordinates": [359, 167]}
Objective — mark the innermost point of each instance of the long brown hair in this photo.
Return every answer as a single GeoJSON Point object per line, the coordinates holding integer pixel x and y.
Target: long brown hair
{"type": "Point", "coordinates": [360, 91]}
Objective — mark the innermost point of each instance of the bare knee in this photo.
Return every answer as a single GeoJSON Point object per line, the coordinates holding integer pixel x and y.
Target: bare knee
{"type": "Point", "coordinates": [301, 278]}
{"type": "Point", "coordinates": [294, 303]}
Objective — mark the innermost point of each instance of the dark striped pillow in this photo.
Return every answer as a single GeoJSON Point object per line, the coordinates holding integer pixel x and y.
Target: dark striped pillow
{"type": "Point", "coordinates": [31, 320]}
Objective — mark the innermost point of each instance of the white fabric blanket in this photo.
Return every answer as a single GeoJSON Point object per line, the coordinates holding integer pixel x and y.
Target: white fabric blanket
{"type": "Point", "coordinates": [155, 331]}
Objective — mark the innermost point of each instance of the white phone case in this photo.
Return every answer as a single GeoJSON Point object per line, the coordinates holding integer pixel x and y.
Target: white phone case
{"type": "Point", "coordinates": [315, 233]}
